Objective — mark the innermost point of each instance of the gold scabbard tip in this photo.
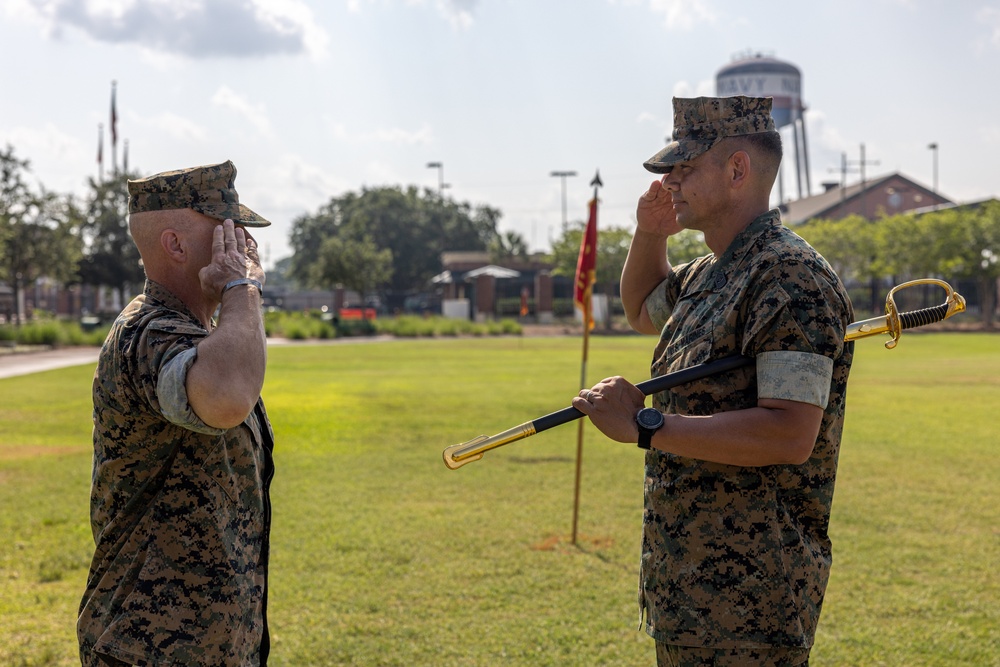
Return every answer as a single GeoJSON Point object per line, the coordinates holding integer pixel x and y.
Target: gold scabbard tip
{"type": "Point", "coordinates": [458, 455]}
{"type": "Point", "coordinates": [473, 450]}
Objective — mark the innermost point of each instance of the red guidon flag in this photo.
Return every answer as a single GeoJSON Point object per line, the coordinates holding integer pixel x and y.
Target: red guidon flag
{"type": "Point", "coordinates": [586, 267]}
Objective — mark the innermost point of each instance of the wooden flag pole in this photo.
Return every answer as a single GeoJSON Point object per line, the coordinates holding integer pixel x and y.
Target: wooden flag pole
{"type": "Point", "coordinates": [579, 429]}
{"type": "Point", "coordinates": [587, 316]}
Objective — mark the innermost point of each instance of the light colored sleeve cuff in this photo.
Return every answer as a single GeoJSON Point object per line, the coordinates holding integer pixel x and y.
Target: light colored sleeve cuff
{"type": "Point", "coordinates": [794, 376]}
{"type": "Point", "coordinates": [657, 307]}
{"type": "Point", "coordinates": [171, 390]}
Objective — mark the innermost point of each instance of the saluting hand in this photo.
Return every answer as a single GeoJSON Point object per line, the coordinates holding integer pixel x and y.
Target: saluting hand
{"type": "Point", "coordinates": [655, 212]}
{"type": "Point", "coordinates": [234, 256]}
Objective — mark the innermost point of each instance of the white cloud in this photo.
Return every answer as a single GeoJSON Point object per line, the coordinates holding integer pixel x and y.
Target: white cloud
{"type": "Point", "coordinates": [174, 126]}
{"type": "Point", "coordinates": [21, 10]}
{"type": "Point", "coordinates": [227, 98]}
{"type": "Point", "coordinates": [293, 184]}
{"type": "Point", "coordinates": [47, 138]}
{"type": "Point", "coordinates": [683, 14]}
{"type": "Point", "coordinates": [294, 17]}
{"type": "Point", "coordinates": [186, 27]}
{"type": "Point", "coordinates": [459, 13]}
{"type": "Point", "coordinates": [988, 18]}
{"type": "Point", "coordinates": [395, 135]}
{"type": "Point", "coordinates": [703, 88]}
{"type": "Point", "coordinates": [991, 134]}
{"type": "Point", "coordinates": [822, 133]}
{"type": "Point", "coordinates": [378, 173]}
{"type": "Point", "coordinates": [59, 162]}
{"type": "Point", "coordinates": [423, 135]}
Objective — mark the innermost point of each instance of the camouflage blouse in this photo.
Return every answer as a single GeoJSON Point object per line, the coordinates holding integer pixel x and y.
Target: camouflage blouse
{"type": "Point", "coordinates": [180, 511]}
{"type": "Point", "coordinates": [739, 557]}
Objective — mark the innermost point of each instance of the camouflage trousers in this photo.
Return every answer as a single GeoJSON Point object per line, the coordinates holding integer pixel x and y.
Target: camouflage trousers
{"type": "Point", "coordinates": [669, 655]}
{"type": "Point", "coordinates": [108, 661]}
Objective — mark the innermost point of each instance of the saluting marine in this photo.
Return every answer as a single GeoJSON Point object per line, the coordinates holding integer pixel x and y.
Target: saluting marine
{"type": "Point", "coordinates": [180, 508]}
{"type": "Point", "coordinates": [740, 466]}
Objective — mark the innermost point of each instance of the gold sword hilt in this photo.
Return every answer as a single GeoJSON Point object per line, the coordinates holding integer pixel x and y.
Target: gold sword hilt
{"type": "Point", "coordinates": [894, 322]}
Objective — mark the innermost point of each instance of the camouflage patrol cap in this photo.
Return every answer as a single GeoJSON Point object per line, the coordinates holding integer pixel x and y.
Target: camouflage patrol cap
{"type": "Point", "coordinates": [209, 189]}
{"type": "Point", "coordinates": [701, 122]}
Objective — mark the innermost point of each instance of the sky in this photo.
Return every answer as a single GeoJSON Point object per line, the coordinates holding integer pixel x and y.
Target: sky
{"type": "Point", "coordinates": [312, 99]}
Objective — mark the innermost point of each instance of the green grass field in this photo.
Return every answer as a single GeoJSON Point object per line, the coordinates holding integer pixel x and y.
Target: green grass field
{"type": "Point", "coordinates": [382, 556]}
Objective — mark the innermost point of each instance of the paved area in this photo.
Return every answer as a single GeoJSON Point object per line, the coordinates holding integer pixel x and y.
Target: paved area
{"type": "Point", "coordinates": [23, 361]}
{"type": "Point", "coordinates": [33, 361]}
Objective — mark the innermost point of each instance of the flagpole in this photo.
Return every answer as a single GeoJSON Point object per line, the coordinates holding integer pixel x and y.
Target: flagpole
{"type": "Point", "coordinates": [100, 152]}
{"type": "Point", "coordinates": [114, 130]}
{"type": "Point", "coordinates": [579, 427]}
{"type": "Point", "coordinates": [587, 316]}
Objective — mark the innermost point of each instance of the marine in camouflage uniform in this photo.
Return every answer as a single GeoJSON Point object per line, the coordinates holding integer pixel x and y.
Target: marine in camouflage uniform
{"type": "Point", "coordinates": [180, 510]}
{"type": "Point", "coordinates": [736, 558]}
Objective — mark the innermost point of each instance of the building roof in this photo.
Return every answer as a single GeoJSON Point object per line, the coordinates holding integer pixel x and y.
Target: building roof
{"type": "Point", "coordinates": [447, 276]}
{"type": "Point", "coordinates": [492, 270]}
{"type": "Point", "coordinates": [885, 195]}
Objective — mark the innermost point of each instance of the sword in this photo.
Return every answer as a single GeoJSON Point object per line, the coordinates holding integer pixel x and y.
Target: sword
{"type": "Point", "coordinates": [892, 323]}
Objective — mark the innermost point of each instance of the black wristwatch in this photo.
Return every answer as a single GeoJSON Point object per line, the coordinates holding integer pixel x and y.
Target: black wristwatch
{"type": "Point", "coordinates": [649, 420]}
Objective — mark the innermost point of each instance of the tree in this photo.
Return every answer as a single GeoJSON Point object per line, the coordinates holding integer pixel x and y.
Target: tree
{"type": "Point", "coordinates": [904, 249]}
{"type": "Point", "coordinates": [14, 196]}
{"type": "Point", "coordinates": [847, 244]}
{"type": "Point", "coordinates": [687, 245]}
{"type": "Point", "coordinates": [39, 231]}
{"type": "Point", "coordinates": [970, 238]}
{"type": "Point", "coordinates": [851, 246]}
{"type": "Point", "coordinates": [110, 257]}
{"type": "Point", "coordinates": [951, 244]}
{"type": "Point", "coordinates": [356, 264]}
{"type": "Point", "coordinates": [509, 245]}
{"type": "Point", "coordinates": [416, 227]}
{"type": "Point", "coordinates": [612, 249]}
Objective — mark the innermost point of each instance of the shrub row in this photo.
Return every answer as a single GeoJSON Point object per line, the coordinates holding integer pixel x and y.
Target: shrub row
{"type": "Point", "coordinates": [51, 332]}
{"type": "Point", "coordinates": [294, 326]}
{"type": "Point", "coordinates": [411, 326]}
{"type": "Point", "coordinates": [316, 325]}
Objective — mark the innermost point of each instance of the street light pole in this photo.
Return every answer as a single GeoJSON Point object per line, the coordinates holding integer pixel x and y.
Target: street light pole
{"type": "Point", "coordinates": [563, 175]}
{"type": "Point", "coordinates": [934, 148]}
{"type": "Point", "coordinates": [441, 184]}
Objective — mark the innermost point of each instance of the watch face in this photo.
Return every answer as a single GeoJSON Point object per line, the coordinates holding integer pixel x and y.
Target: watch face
{"type": "Point", "coordinates": [650, 418]}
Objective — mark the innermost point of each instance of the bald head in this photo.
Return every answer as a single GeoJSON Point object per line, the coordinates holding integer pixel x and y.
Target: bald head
{"type": "Point", "coordinates": [156, 233]}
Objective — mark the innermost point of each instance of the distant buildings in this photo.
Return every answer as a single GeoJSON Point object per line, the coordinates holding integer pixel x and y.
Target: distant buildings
{"type": "Point", "coordinates": [871, 199]}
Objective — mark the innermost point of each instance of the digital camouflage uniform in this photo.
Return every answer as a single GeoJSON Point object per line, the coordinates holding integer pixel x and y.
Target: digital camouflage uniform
{"type": "Point", "coordinates": [180, 511]}
{"type": "Point", "coordinates": [739, 557]}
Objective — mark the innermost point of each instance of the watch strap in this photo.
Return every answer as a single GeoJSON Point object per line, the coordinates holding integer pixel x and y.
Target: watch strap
{"type": "Point", "coordinates": [645, 438]}
{"type": "Point", "coordinates": [243, 281]}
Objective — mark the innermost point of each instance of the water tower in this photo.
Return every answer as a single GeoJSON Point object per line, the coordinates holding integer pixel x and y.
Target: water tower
{"type": "Point", "coordinates": [758, 75]}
